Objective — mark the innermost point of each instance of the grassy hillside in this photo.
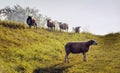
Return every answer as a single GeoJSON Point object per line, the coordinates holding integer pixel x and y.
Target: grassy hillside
{"type": "Point", "coordinates": [24, 50]}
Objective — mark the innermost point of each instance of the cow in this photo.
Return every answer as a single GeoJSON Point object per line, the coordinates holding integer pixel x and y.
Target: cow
{"type": "Point", "coordinates": [78, 47]}
{"type": "Point", "coordinates": [31, 22]}
{"type": "Point", "coordinates": [63, 26]}
{"type": "Point", "coordinates": [77, 29]}
{"type": "Point", "coordinates": [50, 24]}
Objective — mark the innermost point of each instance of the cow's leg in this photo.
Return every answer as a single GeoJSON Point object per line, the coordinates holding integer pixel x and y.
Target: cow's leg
{"type": "Point", "coordinates": [51, 28]}
{"type": "Point", "coordinates": [60, 29]}
{"type": "Point", "coordinates": [66, 30]}
{"type": "Point", "coordinates": [54, 28]}
{"type": "Point", "coordinates": [29, 26]}
{"type": "Point", "coordinates": [84, 57]}
{"type": "Point", "coordinates": [35, 25]}
{"type": "Point", "coordinates": [66, 58]}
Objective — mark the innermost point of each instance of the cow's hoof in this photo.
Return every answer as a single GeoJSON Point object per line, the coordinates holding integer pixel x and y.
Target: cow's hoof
{"type": "Point", "coordinates": [67, 62]}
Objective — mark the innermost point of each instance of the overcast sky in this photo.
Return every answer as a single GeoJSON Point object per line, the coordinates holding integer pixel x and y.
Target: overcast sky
{"type": "Point", "coordinates": [96, 16]}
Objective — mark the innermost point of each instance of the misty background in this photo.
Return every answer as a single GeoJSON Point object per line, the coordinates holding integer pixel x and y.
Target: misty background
{"type": "Point", "coordinates": [96, 16]}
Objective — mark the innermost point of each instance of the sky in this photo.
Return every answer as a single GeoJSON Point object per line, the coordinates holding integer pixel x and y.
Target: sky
{"type": "Point", "coordinates": [96, 16]}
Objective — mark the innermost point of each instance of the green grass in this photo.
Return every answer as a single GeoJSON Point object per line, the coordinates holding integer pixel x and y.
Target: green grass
{"type": "Point", "coordinates": [24, 50]}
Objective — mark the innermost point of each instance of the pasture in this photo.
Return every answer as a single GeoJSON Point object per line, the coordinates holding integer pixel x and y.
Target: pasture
{"type": "Point", "coordinates": [24, 50]}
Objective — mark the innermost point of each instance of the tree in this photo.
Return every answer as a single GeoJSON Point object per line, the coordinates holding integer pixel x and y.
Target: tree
{"type": "Point", "coordinates": [19, 14]}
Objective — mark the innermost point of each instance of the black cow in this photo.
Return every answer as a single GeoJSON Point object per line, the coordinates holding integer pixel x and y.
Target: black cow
{"type": "Point", "coordinates": [63, 26]}
{"type": "Point", "coordinates": [50, 24]}
{"type": "Point", "coordinates": [78, 47]}
{"type": "Point", "coordinates": [77, 29]}
{"type": "Point", "coordinates": [31, 22]}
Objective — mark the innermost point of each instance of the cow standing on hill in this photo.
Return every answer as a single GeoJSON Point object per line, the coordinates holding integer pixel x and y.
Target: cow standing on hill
{"type": "Point", "coordinates": [63, 26]}
{"type": "Point", "coordinates": [50, 24]}
{"type": "Point", "coordinates": [77, 29]}
{"type": "Point", "coordinates": [31, 22]}
{"type": "Point", "coordinates": [78, 47]}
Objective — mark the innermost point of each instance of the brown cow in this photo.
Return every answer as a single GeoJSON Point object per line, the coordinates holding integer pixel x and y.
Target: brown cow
{"type": "Point", "coordinates": [78, 47]}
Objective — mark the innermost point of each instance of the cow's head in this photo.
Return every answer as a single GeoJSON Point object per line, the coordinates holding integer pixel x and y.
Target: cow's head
{"type": "Point", "coordinates": [92, 42]}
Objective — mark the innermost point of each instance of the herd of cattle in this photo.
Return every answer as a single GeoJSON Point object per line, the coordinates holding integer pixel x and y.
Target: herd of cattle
{"type": "Point", "coordinates": [50, 24]}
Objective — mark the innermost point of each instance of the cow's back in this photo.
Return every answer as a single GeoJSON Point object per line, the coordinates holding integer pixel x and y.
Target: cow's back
{"type": "Point", "coordinates": [76, 47]}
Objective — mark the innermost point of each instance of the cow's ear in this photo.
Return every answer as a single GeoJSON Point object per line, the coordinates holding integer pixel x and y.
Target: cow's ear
{"type": "Point", "coordinates": [91, 41]}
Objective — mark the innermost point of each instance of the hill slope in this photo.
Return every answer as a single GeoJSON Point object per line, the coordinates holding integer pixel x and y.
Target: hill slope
{"type": "Point", "coordinates": [24, 50]}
